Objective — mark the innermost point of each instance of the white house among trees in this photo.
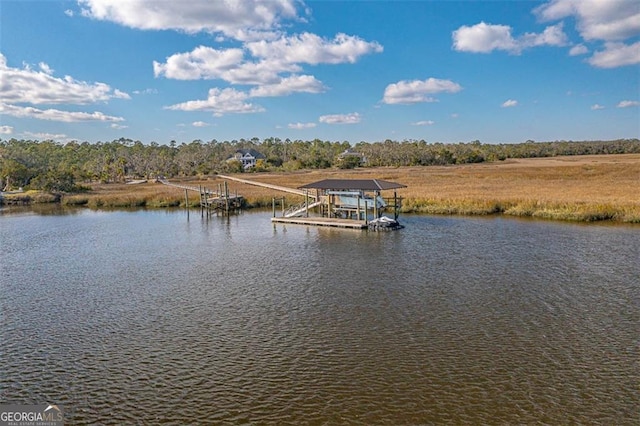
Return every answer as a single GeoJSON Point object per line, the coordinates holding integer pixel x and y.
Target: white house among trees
{"type": "Point", "coordinates": [248, 157]}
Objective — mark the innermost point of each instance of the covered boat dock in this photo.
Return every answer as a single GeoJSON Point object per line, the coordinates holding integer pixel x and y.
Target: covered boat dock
{"type": "Point", "coordinates": [346, 203]}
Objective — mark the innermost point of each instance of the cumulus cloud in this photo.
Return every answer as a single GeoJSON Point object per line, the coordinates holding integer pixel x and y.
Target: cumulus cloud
{"type": "Point", "coordinates": [240, 19]}
{"type": "Point", "coordinates": [118, 126]}
{"type": "Point", "coordinates": [301, 126]}
{"type": "Point", "coordinates": [146, 92]}
{"type": "Point", "coordinates": [596, 19]}
{"type": "Point", "coordinates": [232, 101]}
{"type": "Point", "coordinates": [578, 49]}
{"type": "Point", "coordinates": [551, 36]}
{"type": "Point", "coordinates": [627, 104]}
{"type": "Point", "coordinates": [266, 57]}
{"type": "Point", "coordinates": [45, 68]}
{"type": "Point", "coordinates": [611, 21]}
{"type": "Point", "coordinates": [424, 123]}
{"type": "Point", "coordinates": [289, 85]}
{"type": "Point", "coordinates": [596, 107]}
{"type": "Point", "coordinates": [312, 49]}
{"type": "Point", "coordinates": [20, 86]}
{"type": "Point", "coordinates": [509, 103]}
{"type": "Point", "coordinates": [220, 102]}
{"type": "Point", "coordinates": [46, 136]}
{"type": "Point", "coordinates": [199, 124]}
{"type": "Point", "coordinates": [55, 114]}
{"type": "Point", "coordinates": [273, 66]}
{"type": "Point", "coordinates": [265, 61]}
{"type": "Point", "coordinates": [415, 91]}
{"type": "Point", "coordinates": [6, 130]}
{"type": "Point", "coordinates": [351, 118]}
{"type": "Point", "coordinates": [616, 55]}
{"type": "Point", "coordinates": [201, 63]}
{"type": "Point", "coordinates": [485, 38]}
{"type": "Point", "coordinates": [24, 85]}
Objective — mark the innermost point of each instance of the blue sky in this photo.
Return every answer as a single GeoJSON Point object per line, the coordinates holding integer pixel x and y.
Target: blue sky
{"type": "Point", "coordinates": [442, 71]}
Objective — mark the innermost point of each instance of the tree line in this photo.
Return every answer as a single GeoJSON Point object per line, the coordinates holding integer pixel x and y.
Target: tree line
{"type": "Point", "coordinates": [55, 166]}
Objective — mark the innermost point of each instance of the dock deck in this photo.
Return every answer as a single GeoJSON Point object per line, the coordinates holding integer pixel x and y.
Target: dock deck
{"type": "Point", "coordinates": [323, 221]}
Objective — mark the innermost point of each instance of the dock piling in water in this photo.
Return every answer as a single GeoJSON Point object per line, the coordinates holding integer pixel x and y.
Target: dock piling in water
{"type": "Point", "coordinates": [211, 201]}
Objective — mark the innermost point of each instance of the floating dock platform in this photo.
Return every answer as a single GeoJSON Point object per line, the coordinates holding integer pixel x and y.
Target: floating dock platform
{"type": "Point", "coordinates": [323, 221]}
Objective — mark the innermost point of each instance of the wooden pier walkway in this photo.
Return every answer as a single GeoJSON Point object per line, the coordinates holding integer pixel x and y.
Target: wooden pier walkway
{"type": "Point", "coordinates": [270, 186]}
{"type": "Point", "coordinates": [188, 187]}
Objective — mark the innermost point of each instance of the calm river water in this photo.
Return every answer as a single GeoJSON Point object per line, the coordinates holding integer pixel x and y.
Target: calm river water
{"type": "Point", "coordinates": [146, 317]}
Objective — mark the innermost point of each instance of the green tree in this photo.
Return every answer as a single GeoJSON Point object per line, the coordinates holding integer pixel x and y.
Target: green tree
{"type": "Point", "coordinates": [14, 174]}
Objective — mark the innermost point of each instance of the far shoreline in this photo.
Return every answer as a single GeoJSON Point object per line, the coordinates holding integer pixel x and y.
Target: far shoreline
{"type": "Point", "coordinates": [586, 188]}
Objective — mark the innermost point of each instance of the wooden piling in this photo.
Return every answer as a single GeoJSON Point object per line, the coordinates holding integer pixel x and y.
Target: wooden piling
{"type": "Point", "coordinates": [226, 197]}
{"type": "Point", "coordinates": [186, 201]}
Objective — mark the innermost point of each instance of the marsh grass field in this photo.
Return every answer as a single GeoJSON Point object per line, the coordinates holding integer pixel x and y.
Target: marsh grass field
{"type": "Point", "coordinates": [574, 188]}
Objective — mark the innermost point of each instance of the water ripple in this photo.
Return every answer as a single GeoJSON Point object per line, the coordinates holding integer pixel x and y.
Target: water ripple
{"type": "Point", "coordinates": [142, 317]}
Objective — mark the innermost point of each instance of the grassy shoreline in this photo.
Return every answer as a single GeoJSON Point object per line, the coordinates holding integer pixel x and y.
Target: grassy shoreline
{"type": "Point", "coordinates": [576, 188]}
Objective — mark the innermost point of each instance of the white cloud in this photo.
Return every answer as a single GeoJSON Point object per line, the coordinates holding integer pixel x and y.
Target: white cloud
{"type": "Point", "coordinates": [289, 85]}
{"type": "Point", "coordinates": [46, 136]}
{"type": "Point", "coordinates": [268, 66]}
{"type": "Point", "coordinates": [199, 124]}
{"type": "Point", "coordinates": [627, 104]}
{"type": "Point", "coordinates": [272, 62]}
{"type": "Point", "coordinates": [55, 114]}
{"type": "Point", "coordinates": [616, 55]}
{"type": "Point", "coordinates": [266, 71]}
{"type": "Point", "coordinates": [240, 19]}
{"type": "Point", "coordinates": [45, 68]}
{"type": "Point", "coordinates": [509, 103]}
{"type": "Point", "coordinates": [232, 101]}
{"type": "Point", "coordinates": [608, 20]}
{"type": "Point", "coordinates": [611, 21]}
{"type": "Point", "coordinates": [596, 107]}
{"type": "Point", "coordinates": [578, 49]}
{"type": "Point", "coordinates": [6, 130]}
{"type": "Point", "coordinates": [266, 60]}
{"type": "Point", "coordinates": [424, 123]}
{"type": "Point", "coordinates": [410, 92]}
{"type": "Point", "coordinates": [201, 63]}
{"type": "Point", "coordinates": [301, 126]}
{"type": "Point", "coordinates": [312, 49]}
{"type": "Point", "coordinates": [220, 102]}
{"type": "Point", "coordinates": [485, 38]}
{"type": "Point", "coordinates": [118, 126]}
{"type": "Point", "coordinates": [69, 13]}
{"type": "Point", "coordinates": [351, 118]}
{"type": "Point", "coordinates": [40, 87]}
{"type": "Point", "coordinates": [551, 36]}
{"type": "Point", "coordinates": [146, 92]}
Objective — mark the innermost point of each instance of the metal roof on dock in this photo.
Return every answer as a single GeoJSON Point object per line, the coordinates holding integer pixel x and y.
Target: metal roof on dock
{"type": "Point", "coordinates": [346, 184]}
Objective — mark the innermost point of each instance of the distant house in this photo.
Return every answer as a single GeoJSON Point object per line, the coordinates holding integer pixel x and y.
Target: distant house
{"type": "Point", "coordinates": [248, 157]}
{"type": "Point", "coordinates": [355, 158]}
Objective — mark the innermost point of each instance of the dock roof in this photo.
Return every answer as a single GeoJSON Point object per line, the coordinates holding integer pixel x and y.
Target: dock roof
{"type": "Point", "coordinates": [353, 184]}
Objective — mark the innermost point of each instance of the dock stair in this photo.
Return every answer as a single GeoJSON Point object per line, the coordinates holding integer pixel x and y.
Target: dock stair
{"type": "Point", "coordinates": [300, 209]}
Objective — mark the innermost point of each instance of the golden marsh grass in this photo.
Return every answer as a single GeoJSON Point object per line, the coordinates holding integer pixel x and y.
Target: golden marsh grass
{"type": "Point", "coordinates": [576, 188]}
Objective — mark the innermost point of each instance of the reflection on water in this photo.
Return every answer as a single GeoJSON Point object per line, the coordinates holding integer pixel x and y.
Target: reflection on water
{"type": "Point", "coordinates": [144, 317]}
